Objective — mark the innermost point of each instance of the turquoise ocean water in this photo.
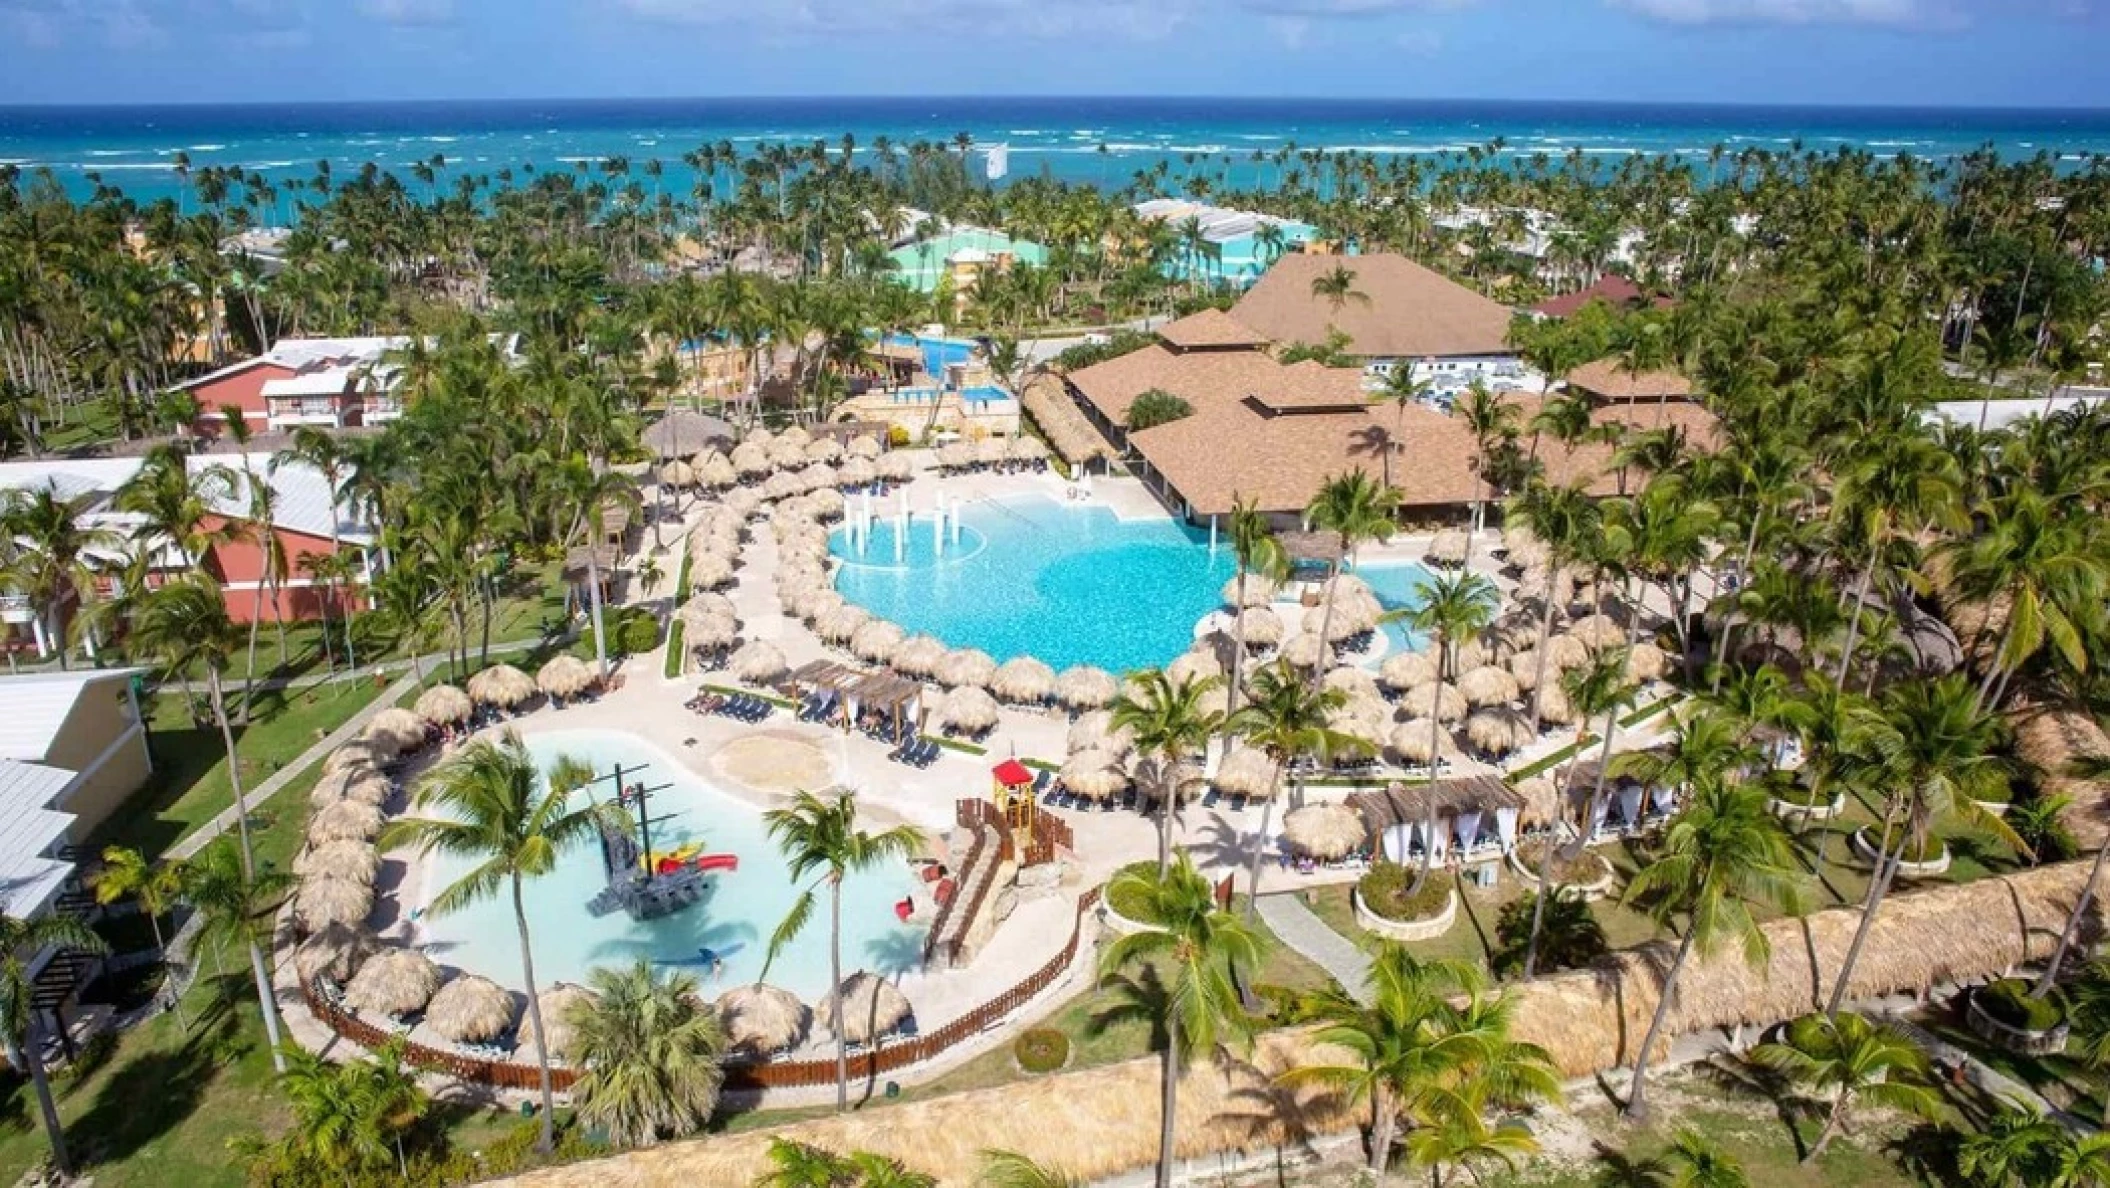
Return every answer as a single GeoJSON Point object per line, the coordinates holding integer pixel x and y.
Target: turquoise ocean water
{"type": "Point", "coordinates": [1099, 140]}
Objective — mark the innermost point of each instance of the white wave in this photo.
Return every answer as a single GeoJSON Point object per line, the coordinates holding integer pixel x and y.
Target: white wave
{"type": "Point", "coordinates": [441, 139]}
{"type": "Point", "coordinates": [262, 166]}
{"type": "Point", "coordinates": [1025, 132]}
{"type": "Point", "coordinates": [206, 148]}
{"type": "Point", "coordinates": [1194, 148]}
{"type": "Point", "coordinates": [1396, 149]}
{"type": "Point", "coordinates": [16, 161]}
{"type": "Point", "coordinates": [1896, 143]}
{"type": "Point", "coordinates": [112, 152]}
{"type": "Point", "coordinates": [112, 166]}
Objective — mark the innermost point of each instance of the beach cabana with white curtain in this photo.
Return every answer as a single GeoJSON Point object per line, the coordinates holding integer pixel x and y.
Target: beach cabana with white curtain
{"type": "Point", "coordinates": [1476, 819]}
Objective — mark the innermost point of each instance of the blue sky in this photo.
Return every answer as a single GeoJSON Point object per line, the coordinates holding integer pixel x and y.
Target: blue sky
{"type": "Point", "coordinates": [1994, 52]}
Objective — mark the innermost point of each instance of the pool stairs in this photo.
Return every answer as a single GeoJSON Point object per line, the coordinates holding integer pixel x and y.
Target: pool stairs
{"type": "Point", "coordinates": [960, 929]}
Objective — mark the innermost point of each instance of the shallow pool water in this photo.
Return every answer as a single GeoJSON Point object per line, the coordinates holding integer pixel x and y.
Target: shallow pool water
{"type": "Point", "coordinates": [733, 921]}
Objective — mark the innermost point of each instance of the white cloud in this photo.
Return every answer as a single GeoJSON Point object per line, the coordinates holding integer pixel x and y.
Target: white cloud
{"type": "Point", "coordinates": [408, 12]}
{"type": "Point", "coordinates": [1883, 13]}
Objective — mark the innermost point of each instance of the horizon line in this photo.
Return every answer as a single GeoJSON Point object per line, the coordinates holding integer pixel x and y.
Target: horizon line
{"type": "Point", "coordinates": [1708, 104]}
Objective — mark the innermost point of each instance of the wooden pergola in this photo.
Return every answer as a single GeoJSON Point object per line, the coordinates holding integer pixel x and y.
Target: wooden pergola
{"type": "Point", "coordinates": [893, 698]}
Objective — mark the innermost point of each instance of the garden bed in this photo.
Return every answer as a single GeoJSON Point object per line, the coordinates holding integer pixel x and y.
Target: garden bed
{"type": "Point", "coordinates": [1124, 913]}
{"type": "Point", "coordinates": [1929, 860]}
{"type": "Point", "coordinates": [2004, 1013]}
{"type": "Point", "coordinates": [1790, 807]}
{"type": "Point", "coordinates": [1589, 873]}
{"type": "Point", "coordinates": [1383, 906]}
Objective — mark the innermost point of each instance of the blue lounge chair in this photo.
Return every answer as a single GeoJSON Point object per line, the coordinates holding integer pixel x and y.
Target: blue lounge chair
{"type": "Point", "coordinates": [1210, 797]}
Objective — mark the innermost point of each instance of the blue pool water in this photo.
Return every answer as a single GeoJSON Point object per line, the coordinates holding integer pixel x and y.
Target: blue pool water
{"type": "Point", "coordinates": [937, 352]}
{"type": "Point", "coordinates": [984, 393]}
{"type": "Point", "coordinates": [1031, 576]}
{"type": "Point", "coordinates": [734, 921]}
{"type": "Point", "coordinates": [1397, 585]}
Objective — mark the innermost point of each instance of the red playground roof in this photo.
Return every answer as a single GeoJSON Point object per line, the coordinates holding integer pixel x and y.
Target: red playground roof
{"type": "Point", "coordinates": [1011, 773]}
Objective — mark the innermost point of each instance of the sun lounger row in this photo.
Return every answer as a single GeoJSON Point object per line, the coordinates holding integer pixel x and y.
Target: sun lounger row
{"type": "Point", "coordinates": [916, 752]}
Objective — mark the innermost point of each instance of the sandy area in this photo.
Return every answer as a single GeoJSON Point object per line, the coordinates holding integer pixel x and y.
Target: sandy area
{"type": "Point", "coordinates": [773, 761]}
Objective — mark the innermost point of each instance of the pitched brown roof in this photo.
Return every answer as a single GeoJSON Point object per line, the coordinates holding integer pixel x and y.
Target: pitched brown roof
{"type": "Point", "coordinates": [1607, 380]}
{"type": "Point", "coordinates": [1613, 290]}
{"type": "Point", "coordinates": [1211, 329]}
{"type": "Point", "coordinates": [1411, 311]}
{"type": "Point", "coordinates": [1204, 376]}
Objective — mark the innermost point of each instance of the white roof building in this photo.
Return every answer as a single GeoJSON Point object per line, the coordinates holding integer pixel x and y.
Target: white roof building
{"type": "Point", "coordinates": [301, 497]}
{"type": "Point", "coordinates": [73, 747]}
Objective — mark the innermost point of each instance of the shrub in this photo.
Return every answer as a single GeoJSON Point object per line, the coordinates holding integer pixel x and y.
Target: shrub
{"type": "Point", "coordinates": [1156, 407]}
{"type": "Point", "coordinates": [1117, 344]}
{"type": "Point", "coordinates": [1042, 1050]}
{"type": "Point", "coordinates": [1570, 935]}
{"type": "Point", "coordinates": [631, 630]}
{"type": "Point", "coordinates": [1384, 892]}
{"type": "Point", "coordinates": [897, 436]}
{"type": "Point", "coordinates": [2009, 1001]}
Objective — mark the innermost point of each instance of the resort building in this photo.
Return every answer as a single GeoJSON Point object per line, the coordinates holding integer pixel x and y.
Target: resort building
{"type": "Point", "coordinates": [72, 744]}
{"type": "Point", "coordinates": [959, 255]}
{"type": "Point", "coordinates": [308, 523]}
{"type": "Point", "coordinates": [334, 382]}
{"type": "Point", "coordinates": [1236, 246]}
{"type": "Point", "coordinates": [1274, 434]}
{"type": "Point", "coordinates": [1612, 289]}
{"type": "Point", "coordinates": [1395, 313]}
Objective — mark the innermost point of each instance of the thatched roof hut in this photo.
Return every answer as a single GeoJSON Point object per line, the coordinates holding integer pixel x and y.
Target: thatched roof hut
{"type": "Point", "coordinates": [968, 709]}
{"type": "Point", "coordinates": [557, 1004]}
{"type": "Point", "coordinates": [324, 900]}
{"type": "Point", "coordinates": [564, 676]}
{"type": "Point", "coordinates": [1410, 740]}
{"type": "Point", "coordinates": [1324, 831]}
{"type": "Point", "coordinates": [1646, 662]}
{"type": "Point", "coordinates": [356, 753]}
{"type": "Point", "coordinates": [1305, 651]}
{"type": "Point", "coordinates": [711, 632]}
{"type": "Point", "coordinates": [335, 951]}
{"type": "Point", "coordinates": [1489, 685]}
{"type": "Point", "coordinates": [1095, 731]}
{"type": "Point", "coordinates": [758, 662]}
{"type": "Point", "coordinates": [1247, 771]}
{"type": "Point", "coordinates": [501, 685]}
{"type": "Point", "coordinates": [1355, 682]}
{"type": "Point", "coordinates": [840, 624]}
{"type": "Point", "coordinates": [1085, 687]}
{"type": "Point", "coordinates": [967, 666]}
{"type": "Point", "coordinates": [1448, 547]}
{"type": "Point", "coordinates": [875, 641]}
{"type": "Point", "coordinates": [1094, 775]}
{"type": "Point", "coordinates": [1404, 670]}
{"type": "Point", "coordinates": [1024, 680]}
{"type": "Point", "coordinates": [871, 1006]}
{"type": "Point", "coordinates": [395, 730]}
{"type": "Point", "coordinates": [471, 1009]}
{"type": "Point", "coordinates": [1193, 666]}
{"type": "Point", "coordinates": [1262, 627]}
{"type": "Point", "coordinates": [393, 981]}
{"type": "Point", "coordinates": [444, 704]}
{"type": "Point", "coordinates": [1259, 591]}
{"type": "Point", "coordinates": [760, 1020]}
{"type": "Point", "coordinates": [353, 861]}
{"type": "Point", "coordinates": [919, 656]}
{"type": "Point", "coordinates": [346, 820]}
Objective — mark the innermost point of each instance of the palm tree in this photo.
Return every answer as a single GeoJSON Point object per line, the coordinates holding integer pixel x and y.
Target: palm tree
{"type": "Point", "coordinates": [1286, 721]}
{"type": "Point", "coordinates": [2082, 767]}
{"type": "Point", "coordinates": [50, 543]}
{"type": "Point", "coordinates": [1938, 752]}
{"type": "Point", "coordinates": [1570, 937]}
{"type": "Point", "coordinates": [1567, 521]}
{"type": "Point", "coordinates": [1260, 554]}
{"type": "Point", "coordinates": [821, 837]}
{"type": "Point", "coordinates": [156, 886]}
{"type": "Point", "coordinates": [1599, 687]}
{"type": "Point", "coordinates": [649, 1054]}
{"type": "Point", "coordinates": [1009, 1169]}
{"type": "Point", "coordinates": [492, 806]}
{"type": "Point", "coordinates": [2088, 1018]}
{"type": "Point", "coordinates": [2013, 1148]}
{"type": "Point", "coordinates": [1456, 607]}
{"type": "Point", "coordinates": [1856, 1062]}
{"type": "Point", "coordinates": [1355, 509]}
{"type": "Point", "coordinates": [1172, 725]}
{"type": "Point", "coordinates": [2047, 570]}
{"type": "Point", "coordinates": [21, 941]}
{"type": "Point", "coordinates": [1696, 1161]}
{"type": "Point", "coordinates": [184, 625]}
{"type": "Point", "coordinates": [1192, 950]}
{"type": "Point", "coordinates": [1723, 854]}
{"type": "Point", "coordinates": [349, 1117]}
{"type": "Point", "coordinates": [1336, 287]}
{"type": "Point", "coordinates": [237, 906]}
{"type": "Point", "coordinates": [1492, 419]}
{"type": "Point", "coordinates": [586, 491]}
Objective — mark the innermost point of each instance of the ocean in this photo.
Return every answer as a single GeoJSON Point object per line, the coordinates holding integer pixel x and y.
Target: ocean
{"type": "Point", "coordinates": [1103, 141]}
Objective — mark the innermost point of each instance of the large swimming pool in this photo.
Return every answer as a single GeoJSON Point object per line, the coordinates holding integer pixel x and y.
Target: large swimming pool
{"type": "Point", "coordinates": [1070, 584]}
{"type": "Point", "coordinates": [734, 920]}
{"type": "Point", "coordinates": [937, 352]}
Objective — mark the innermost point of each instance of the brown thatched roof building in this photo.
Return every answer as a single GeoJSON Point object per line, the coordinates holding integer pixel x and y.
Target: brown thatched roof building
{"type": "Point", "coordinates": [1606, 380]}
{"type": "Point", "coordinates": [1406, 311]}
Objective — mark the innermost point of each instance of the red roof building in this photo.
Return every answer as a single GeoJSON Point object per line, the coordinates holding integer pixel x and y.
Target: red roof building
{"type": "Point", "coordinates": [1615, 291]}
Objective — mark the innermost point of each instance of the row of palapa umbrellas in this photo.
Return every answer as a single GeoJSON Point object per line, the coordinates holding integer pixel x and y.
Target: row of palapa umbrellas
{"type": "Point", "coordinates": [335, 896]}
{"type": "Point", "coordinates": [790, 462]}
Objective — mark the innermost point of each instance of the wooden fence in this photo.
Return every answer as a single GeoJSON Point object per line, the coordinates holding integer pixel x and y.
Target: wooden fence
{"type": "Point", "coordinates": [865, 1063]}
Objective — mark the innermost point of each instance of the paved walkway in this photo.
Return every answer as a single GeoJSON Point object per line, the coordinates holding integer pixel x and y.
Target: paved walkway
{"type": "Point", "coordinates": [198, 838]}
{"type": "Point", "coordinates": [1295, 926]}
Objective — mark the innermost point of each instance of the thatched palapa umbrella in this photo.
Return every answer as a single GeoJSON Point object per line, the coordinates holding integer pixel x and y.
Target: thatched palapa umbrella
{"type": "Point", "coordinates": [758, 662]}
{"type": "Point", "coordinates": [897, 468]}
{"type": "Point", "coordinates": [710, 571]}
{"type": "Point", "coordinates": [348, 859]}
{"type": "Point", "coordinates": [356, 753]}
{"type": "Point", "coordinates": [677, 474]}
{"type": "Point", "coordinates": [1095, 731]}
{"type": "Point", "coordinates": [1085, 687]}
{"type": "Point", "coordinates": [395, 730]}
{"type": "Point", "coordinates": [1247, 771]}
{"type": "Point", "coordinates": [919, 656]}
{"type": "Point", "coordinates": [393, 982]}
{"type": "Point", "coordinates": [1259, 591]}
{"type": "Point", "coordinates": [1442, 701]}
{"type": "Point", "coordinates": [333, 785]}
{"type": "Point", "coordinates": [864, 445]}
{"type": "Point", "coordinates": [1404, 670]}
{"type": "Point", "coordinates": [1349, 618]}
{"type": "Point", "coordinates": [1564, 651]}
{"type": "Point", "coordinates": [1325, 831]}
{"type": "Point", "coordinates": [1554, 706]}
{"type": "Point", "coordinates": [369, 787]}
{"type": "Point", "coordinates": [1305, 651]}
{"type": "Point", "coordinates": [785, 456]}
{"type": "Point", "coordinates": [1500, 731]}
{"type": "Point", "coordinates": [875, 641]}
{"type": "Point", "coordinates": [323, 900]}
{"type": "Point", "coordinates": [871, 1006]}
{"type": "Point", "coordinates": [1524, 666]}
{"type": "Point", "coordinates": [750, 460]}
{"type": "Point", "coordinates": [1647, 662]}
{"type": "Point", "coordinates": [968, 709]}
{"type": "Point", "coordinates": [827, 449]}
{"type": "Point", "coordinates": [1598, 631]}
{"type": "Point", "coordinates": [1448, 547]}
{"type": "Point", "coordinates": [1488, 685]}
{"type": "Point", "coordinates": [716, 470]}
{"type": "Point", "coordinates": [564, 676]}
{"type": "Point", "coordinates": [471, 1009]}
{"type": "Point", "coordinates": [1094, 775]}
{"type": "Point", "coordinates": [1262, 627]}
{"type": "Point", "coordinates": [760, 1020]}
{"type": "Point", "coordinates": [444, 704]}
{"type": "Point", "coordinates": [346, 820]}
{"type": "Point", "coordinates": [967, 666]}
{"type": "Point", "coordinates": [857, 472]}
{"type": "Point", "coordinates": [556, 1005]}
{"type": "Point", "coordinates": [1410, 741]}
{"type": "Point", "coordinates": [501, 685]}
{"type": "Point", "coordinates": [838, 625]}
{"type": "Point", "coordinates": [710, 632]}
{"type": "Point", "coordinates": [335, 951]}
{"type": "Point", "coordinates": [1193, 666]}
{"type": "Point", "coordinates": [1023, 680]}
{"type": "Point", "coordinates": [1355, 682]}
